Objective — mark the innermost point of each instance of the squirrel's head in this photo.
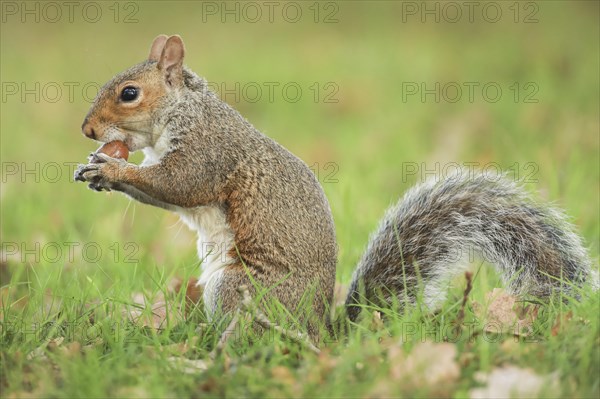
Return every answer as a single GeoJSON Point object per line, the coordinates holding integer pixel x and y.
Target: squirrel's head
{"type": "Point", "coordinates": [128, 108]}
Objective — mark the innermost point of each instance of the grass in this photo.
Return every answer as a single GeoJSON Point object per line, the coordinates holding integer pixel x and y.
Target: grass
{"type": "Point", "coordinates": [56, 284]}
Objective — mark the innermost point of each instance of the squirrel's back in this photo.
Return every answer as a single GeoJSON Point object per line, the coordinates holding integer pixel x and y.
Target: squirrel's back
{"type": "Point", "coordinates": [428, 234]}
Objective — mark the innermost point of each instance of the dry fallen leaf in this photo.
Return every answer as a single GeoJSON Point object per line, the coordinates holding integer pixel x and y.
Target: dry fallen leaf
{"type": "Point", "coordinates": [560, 322]}
{"type": "Point", "coordinates": [327, 362]}
{"type": "Point", "coordinates": [138, 391]}
{"type": "Point", "coordinates": [513, 382]}
{"type": "Point", "coordinates": [319, 370]}
{"type": "Point", "coordinates": [376, 322]}
{"type": "Point", "coordinates": [188, 366]}
{"type": "Point", "coordinates": [193, 292]}
{"type": "Point", "coordinates": [54, 343]}
{"type": "Point", "coordinates": [283, 375]}
{"type": "Point", "coordinates": [429, 364]}
{"type": "Point", "coordinates": [505, 315]}
{"type": "Point", "coordinates": [6, 301]}
{"type": "Point", "coordinates": [71, 350]}
{"type": "Point", "coordinates": [50, 344]}
{"type": "Point", "coordinates": [180, 348]}
{"type": "Point", "coordinates": [160, 311]}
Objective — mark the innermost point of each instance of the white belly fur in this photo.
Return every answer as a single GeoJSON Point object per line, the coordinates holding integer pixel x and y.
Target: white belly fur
{"type": "Point", "coordinates": [215, 239]}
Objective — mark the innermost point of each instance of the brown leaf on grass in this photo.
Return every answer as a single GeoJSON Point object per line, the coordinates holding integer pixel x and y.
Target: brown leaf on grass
{"type": "Point", "coordinates": [193, 292]}
{"type": "Point", "coordinates": [137, 391]}
{"type": "Point", "coordinates": [376, 322]}
{"type": "Point", "coordinates": [37, 378]}
{"type": "Point", "coordinates": [92, 345]}
{"type": "Point", "coordinates": [52, 303]}
{"type": "Point", "coordinates": [325, 363]}
{"type": "Point", "coordinates": [189, 366]}
{"type": "Point", "coordinates": [160, 310]}
{"type": "Point", "coordinates": [505, 315]}
{"type": "Point", "coordinates": [466, 358]}
{"type": "Point", "coordinates": [211, 385]}
{"type": "Point", "coordinates": [180, 348]}
{"type": "Point", "coordinates": [71, 350]}
{"type": "Point", "coordinates": [283, 375]}
{"type": "Point", "coordinates": [500, 308]}
{"type": "Point", "coordinates": [513, 382]}
{"type": "Point", "coordinates": [55, 343]}
{"type": "Point", "coordinates": [55, 346]}
{"type": "Point", "coordinates": [50, 344]}
{"type": "Point", "coordinates": [561, 321]}
{"type": "Point", "coordinates": [5, 274]}
{"type": "Point", "coordinates": [430, 364]}
{"type": "Point", "coordinates": [154, 315]}
{"type": "Point", "coordinates": [9, 299]}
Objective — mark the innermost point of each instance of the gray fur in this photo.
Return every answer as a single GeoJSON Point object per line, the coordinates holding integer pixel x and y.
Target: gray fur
{"type": "Point", "coordinates": [437, 224]}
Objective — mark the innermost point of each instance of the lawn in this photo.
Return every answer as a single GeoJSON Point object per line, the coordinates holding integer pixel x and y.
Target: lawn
{"type": "Point", "coordinates": [374, 97]}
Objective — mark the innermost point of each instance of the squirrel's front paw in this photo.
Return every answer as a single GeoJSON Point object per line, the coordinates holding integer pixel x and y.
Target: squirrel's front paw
{"type": "Point", "coordinates": [101, 176]}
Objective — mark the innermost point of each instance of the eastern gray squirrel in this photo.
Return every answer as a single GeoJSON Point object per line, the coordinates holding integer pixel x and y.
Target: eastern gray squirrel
{"type": "Point", "coordinates": [263, 220]}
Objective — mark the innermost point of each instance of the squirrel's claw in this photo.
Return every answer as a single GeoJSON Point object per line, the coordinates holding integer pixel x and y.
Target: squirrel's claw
{"type": "Point", "coordinates": [96, 175]}
{"type": "Point", "coordinates": [100, 173]}
{"type": "Point", "coordinates": [77, 175]}
{"type": "Point", "coordinates": [87, 172]}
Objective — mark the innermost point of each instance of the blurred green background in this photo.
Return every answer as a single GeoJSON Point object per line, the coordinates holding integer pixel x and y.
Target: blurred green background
{"type": "Point", "coordinates": [355, 122]}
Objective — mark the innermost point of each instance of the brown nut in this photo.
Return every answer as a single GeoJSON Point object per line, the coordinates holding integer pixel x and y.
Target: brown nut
{"type": "Point", "coordinates": [114, 149]}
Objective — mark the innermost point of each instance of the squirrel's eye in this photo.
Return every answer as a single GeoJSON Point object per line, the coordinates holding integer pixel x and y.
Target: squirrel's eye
{"type": "Point", "coordinates": [129, 93]}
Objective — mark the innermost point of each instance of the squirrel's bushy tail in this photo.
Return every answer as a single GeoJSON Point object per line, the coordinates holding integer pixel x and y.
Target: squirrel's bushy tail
{"type": "Point", "coordinates": [439, 223]}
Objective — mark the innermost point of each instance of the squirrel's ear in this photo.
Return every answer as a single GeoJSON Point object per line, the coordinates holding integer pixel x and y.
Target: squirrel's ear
{"type": "Point", "coordinates": [157, 47]}
{"type": "Point", "coordinates": [171, 59]}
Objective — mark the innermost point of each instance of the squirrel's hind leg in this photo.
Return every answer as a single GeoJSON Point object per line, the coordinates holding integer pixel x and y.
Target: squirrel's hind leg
{"type": "Point", "coordinates": [222, 299]}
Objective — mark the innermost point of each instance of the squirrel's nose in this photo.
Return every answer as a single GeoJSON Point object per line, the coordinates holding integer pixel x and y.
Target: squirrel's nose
{"type": "Point", "coordinates": [88, 130]}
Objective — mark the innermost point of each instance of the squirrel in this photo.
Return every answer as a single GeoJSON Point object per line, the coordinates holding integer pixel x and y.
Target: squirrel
{"type": "Point", "coordinates": [262, 217]}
